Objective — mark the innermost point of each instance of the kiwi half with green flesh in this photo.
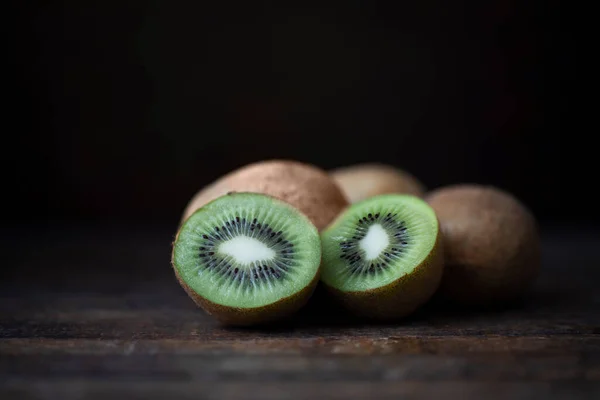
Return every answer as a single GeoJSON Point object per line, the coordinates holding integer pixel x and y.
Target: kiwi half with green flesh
{"type": "Point", "coordinates": [361, 181]}
{"type": "Point", "coordinates": [491, 241]}
{"type": "Point", "coordinates": [382, 257]}
{"type": "Point", "coordinates": [247, 258]}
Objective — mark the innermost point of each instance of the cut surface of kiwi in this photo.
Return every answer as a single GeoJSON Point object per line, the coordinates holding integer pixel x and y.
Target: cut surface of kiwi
{"type": "Point", "coordinates": [247, 258]}
{"type": "Point", "coordinates": [382, 257]}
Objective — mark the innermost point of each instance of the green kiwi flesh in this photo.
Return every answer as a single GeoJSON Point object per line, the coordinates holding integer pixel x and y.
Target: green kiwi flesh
{"type": "Point", "coordinates": [382, 257]}
{"type": "Point", "coordinates": [247, 258]}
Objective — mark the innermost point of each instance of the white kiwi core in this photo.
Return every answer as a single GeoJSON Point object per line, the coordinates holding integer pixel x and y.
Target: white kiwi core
{"type": "Point", "coordinates": [246, 250]}
{"type": "Point", "coordinates": [375, 241]}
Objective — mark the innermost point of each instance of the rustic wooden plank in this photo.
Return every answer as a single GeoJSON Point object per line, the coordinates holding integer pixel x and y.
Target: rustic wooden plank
{"type": "Point", "coordinates": [132, 326]}
{"type": "Point", "coordinates": [227, 365]}
{"type": "Point", "coordinates": [309, 346]}
{"type": "Point", "coordinates": [145, 373]}
{"type": "Point", "coordinates": [93, 390]}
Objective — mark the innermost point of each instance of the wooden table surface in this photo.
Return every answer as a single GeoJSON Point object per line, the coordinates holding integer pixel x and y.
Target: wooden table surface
{"type": "Point", "coordinates": [95, 313]}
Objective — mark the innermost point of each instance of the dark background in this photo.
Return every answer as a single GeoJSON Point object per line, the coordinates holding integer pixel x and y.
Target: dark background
{"type": "Point", "coordinates": [122, 110]}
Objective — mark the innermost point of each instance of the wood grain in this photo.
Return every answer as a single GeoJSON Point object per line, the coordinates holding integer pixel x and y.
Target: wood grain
{"type": "Point", "coordinates": [94, 312]}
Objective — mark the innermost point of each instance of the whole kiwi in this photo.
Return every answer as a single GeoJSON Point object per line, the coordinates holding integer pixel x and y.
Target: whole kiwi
{"type": "Point", "coordinates": [304, 186]}
{"type": "Point", "coordinates": [492, 245]}
{"type": "Point", "coordinates": [362, 181]}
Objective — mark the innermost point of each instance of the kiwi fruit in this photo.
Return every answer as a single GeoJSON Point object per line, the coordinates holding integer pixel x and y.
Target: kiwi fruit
{"type": "Point", "coordinates": [383, 257]}
{"type": "Point", "coordinates": [306, 187]}
{"type": "Point", "coordinates": [362, 181]}
{"type": "Point", "coordinates": [247, 258]}
{"type": "Point", "coordinates": [492, 245]}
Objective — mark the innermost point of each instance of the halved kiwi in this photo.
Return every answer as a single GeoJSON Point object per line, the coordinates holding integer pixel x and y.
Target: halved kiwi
{"type": "Point", "coordinates": [382, 257]}
{"type": "Point", "coordinates": [247, 258]}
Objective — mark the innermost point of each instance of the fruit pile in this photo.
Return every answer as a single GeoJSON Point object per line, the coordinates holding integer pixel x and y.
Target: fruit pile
{"type": "Point", "coordinates": [253, 245]}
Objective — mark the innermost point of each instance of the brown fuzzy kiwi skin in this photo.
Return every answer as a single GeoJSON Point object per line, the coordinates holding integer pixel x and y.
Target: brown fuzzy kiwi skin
{"type": "Point", "coordinates": [401, 297]}
{"type": "Point", "coordinates": [491, 242]}
{"type": "Point", "coordinates": [362, 181]}
{"type": "Point", "coordinates": [306, 187]}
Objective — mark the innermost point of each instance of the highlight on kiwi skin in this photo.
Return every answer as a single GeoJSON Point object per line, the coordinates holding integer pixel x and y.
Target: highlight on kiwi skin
{"type": "Point", "coordinates": [382, 257]}
{"type": "Point", "coordinates": [247, 258]}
